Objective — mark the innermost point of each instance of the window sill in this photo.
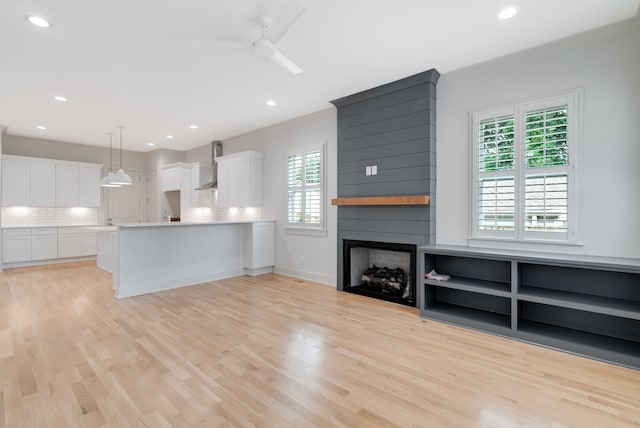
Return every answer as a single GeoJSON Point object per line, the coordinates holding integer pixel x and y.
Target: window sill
{"type": "Point", "coordinates": [292, 230]}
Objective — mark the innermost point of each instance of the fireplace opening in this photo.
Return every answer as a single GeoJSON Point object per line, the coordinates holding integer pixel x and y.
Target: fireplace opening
{"type": "Point", "coordinates": [382, 270]}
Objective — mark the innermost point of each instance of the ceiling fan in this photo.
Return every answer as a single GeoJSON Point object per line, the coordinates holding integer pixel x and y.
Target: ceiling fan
{"type": "Point", "coordinates": [265, 48]}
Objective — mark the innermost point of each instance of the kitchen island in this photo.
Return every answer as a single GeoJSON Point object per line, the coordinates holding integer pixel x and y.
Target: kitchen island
{"type": "Point", "coordinates": [151, 257]}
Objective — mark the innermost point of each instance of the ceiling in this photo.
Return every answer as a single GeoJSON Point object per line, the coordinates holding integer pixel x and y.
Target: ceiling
{"type": "Point", "coordinates": [158, 66]}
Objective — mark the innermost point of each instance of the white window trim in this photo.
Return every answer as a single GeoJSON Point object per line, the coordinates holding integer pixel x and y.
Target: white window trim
{"type": "Point", "coordinates": [310, 229]}
{"type": "Point", "coordinates": [573, 98]}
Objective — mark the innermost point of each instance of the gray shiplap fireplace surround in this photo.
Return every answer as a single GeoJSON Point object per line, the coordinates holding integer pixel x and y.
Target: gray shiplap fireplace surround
{"type": "Point", "coordinates": [393, 128]}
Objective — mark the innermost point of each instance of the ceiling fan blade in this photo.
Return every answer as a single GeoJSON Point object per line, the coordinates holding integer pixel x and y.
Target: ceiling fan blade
{"type": "Point", "coordinates": [285, 62]}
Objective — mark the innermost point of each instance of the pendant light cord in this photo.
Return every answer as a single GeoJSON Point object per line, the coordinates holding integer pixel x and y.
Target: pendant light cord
{"type": "Point", "coordinates": [110, 148]}
{"type": "Point", "coordinates": [121, 128]}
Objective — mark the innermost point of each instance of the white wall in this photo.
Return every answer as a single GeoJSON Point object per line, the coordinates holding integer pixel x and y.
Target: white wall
{"type": "Point", "coordinates": [310, 257]}
{"type": "Point", "coordinates": [3, 129]}
{"type": "Point", "coordinates": [606, 64]}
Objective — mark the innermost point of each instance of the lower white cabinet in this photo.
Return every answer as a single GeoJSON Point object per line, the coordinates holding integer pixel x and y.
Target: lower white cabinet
{"type": "Point", "coordinates": [89, 242]}
{"type": "Point", "coordinates": [259, 251]}
{"type": "Point", "coordinates": [47, 243]}
{"type": "Point", "coordinates": [44, 243]}
{"type": "Point", "coordinates": [16, 245]}
{"type": "Point", "coordinates": [69, 242]}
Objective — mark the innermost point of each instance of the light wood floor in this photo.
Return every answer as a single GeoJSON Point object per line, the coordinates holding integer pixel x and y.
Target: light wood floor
{"type": "Point", "coordinates": [273, 351]}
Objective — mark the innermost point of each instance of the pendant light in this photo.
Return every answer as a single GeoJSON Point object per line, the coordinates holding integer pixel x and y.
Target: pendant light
{"type": "Point", "coordinates": [121, 178]}
{"type": "Point", "coordinates": [107, 180]}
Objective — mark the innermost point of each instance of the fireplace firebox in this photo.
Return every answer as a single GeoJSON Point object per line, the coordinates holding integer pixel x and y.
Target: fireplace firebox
{"type": "Point", "coordinates": [382, 270]}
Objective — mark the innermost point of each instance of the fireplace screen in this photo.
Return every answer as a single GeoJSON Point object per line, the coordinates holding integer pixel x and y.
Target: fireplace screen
{"type": "Point", "coordinates": [379, 269]}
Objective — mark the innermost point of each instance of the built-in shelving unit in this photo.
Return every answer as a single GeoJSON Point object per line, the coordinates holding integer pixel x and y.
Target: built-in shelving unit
{"type": "Point", "coordinates": [583, 305]}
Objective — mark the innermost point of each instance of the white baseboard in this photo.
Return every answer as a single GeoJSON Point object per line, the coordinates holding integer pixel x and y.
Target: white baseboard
{"type": "Point", "coordinates": [309, 276]}
{"type": "Point", "coordinates": [258, 271]}
{"type": "Point", "coordinates": [47, 262]}
{"type": "Point", "coordinates": [151, 287]}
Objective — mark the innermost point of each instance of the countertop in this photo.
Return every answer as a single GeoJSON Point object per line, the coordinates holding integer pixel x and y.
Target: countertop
{"type": "Point", "coordinates": [185, 223]}
{"type": "Point", "coordinates": [50, 226]}
{"type": "Point", "coordinates": [102, 228]}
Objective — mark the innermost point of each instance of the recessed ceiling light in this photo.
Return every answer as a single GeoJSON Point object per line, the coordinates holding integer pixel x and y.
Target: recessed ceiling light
{"type": "Point", "coordinates": [150, 144]}
{"type": "Point", "coordinates": [170, 137]}
{"type": "Point", "coordinates": [271, 103]}
{"type": "Point", "coordinates": [41, 127]}
{"type": "Point", "coordinates": [59, 98]}
{"type": "Point", "coordinates": [193, 126]}
{"type": "Point", "coordinates": [507, 12]}
{"type": "Point", "coordinates": [40, 22]}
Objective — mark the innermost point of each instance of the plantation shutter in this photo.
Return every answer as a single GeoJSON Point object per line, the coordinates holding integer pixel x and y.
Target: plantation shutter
{"type": "Point", "coordinates": [312, 187]}
{"type": "Point", "coordinates": [305, 189]}
{"type": "Point", "coordinates": [496, 163]}
{"type": "Point", "coordinates": [295, 207]}
{"type": "Point", "coordinates": [546, 173]}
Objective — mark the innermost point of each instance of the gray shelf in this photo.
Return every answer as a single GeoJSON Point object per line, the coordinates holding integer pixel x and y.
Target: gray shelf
{"type": "Point", "coordinates": [597, 346]}
{"type": "Point", "coordinates": [583, 305]}
{"type": "Point", "coordinates": [460, 315]}
{"type": "Point", "coordinates": [585, 302]}
{"type": "Point", "coordinates": [492, 288]}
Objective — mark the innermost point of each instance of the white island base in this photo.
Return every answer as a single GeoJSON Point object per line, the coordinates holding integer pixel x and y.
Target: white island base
{"type": "Point", "coordinates": [153, 257]}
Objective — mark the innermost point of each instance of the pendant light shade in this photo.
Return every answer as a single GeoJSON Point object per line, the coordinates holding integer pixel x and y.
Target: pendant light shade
{"type": "Point", "coordinates": [121, 178]}
{"type": "Point", "coordinates": [108, 180]}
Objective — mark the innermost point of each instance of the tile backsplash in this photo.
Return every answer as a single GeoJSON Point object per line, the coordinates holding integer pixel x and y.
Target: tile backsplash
{"type": "Point", "coordinates": [225, 214]}
{"type": "Point", "coordinates": [48, 216]}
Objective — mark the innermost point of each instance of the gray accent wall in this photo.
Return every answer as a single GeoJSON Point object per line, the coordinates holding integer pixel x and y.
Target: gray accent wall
{"type": "Point", "coordinates": [391, 127]}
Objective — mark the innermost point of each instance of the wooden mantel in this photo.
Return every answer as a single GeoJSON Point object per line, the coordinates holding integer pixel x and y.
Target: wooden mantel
{"type": "Point", "coordinates": [382, 200]}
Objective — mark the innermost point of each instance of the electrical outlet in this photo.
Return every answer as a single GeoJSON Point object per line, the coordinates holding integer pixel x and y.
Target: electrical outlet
{"type": "Point", "coordinates": [367, 171]}
{"type": "Point", "coordinates": [374, 169]}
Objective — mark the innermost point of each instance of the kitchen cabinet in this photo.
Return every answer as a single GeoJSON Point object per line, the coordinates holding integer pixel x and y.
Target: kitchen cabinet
{"type": "Point", "coordinates": [42, 183]}
{"type": "Point", "coordinates": [69, 242]}
{"type": "Point", "coordinates": [89, 185]}
{"type": "Point", "coordinates": [15, 182]}
{"type": "Point", "coordinates": [172, 179]}
{"type": "Point", "coordinates": [259, 247]}
{"type": "Point", "coordinates": [240, 179]}
{"type": "Point", "coordinates": [36, 182]}
{"type": "Point", "coordinates": [89, 242]}
{"type": "Point", "coordinates": [16, 245]}
{"type": "Point", "coordinates": [67, 186]}
{"type": "Point", "coordinates": [44, 243]}
{"type": "Point", "coordinates": [77, 185]}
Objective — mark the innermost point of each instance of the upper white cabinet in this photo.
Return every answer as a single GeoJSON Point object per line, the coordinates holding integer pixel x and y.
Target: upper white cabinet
{"type": "Point", "coordinates": [172, 178]}
{"type": "Point", "coordinates": [15, 182]}
{"type": "Point", "coordinates": [89, 185]}
{"type": "Point", "coordinates": [240, 179]}
{"type": "Point", "coordinates": [39, 182]}
{"type": "Point", "coordinates": [67, 186]}
{"type": "Point", "coordinates": [42, 184]}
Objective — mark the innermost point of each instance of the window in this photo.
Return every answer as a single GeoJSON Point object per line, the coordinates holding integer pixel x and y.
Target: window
{"type": "Point", "coordinates": [524, 170]}
{"type": "Point", "coordinates": [305, 193]}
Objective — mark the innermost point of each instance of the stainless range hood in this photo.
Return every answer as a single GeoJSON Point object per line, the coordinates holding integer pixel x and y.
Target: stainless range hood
{"type": "Point", "coordinates": [216, 150]}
